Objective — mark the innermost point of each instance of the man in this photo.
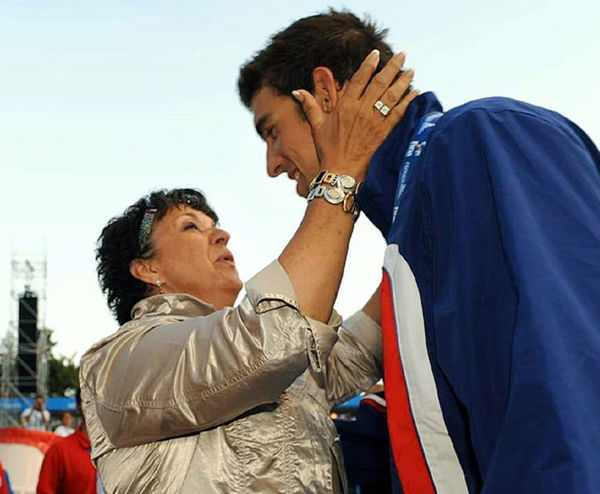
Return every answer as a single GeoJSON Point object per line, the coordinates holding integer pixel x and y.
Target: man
{"type": "Point", "coordinates": [36, 417]}
{"type": "Point", "coordinates": [67, 467]}
{"type": "Point", "coordinates": [66, 424]}
{"type": "Point", "coordinates": [491, 276]}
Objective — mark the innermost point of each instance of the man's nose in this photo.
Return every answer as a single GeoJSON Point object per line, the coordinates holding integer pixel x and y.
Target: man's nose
{"type": "Point", "coordinates": [274, 162]}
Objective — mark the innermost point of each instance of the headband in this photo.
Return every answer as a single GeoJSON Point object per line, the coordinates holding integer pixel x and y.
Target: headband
{"type": "Point", "coordinates": [150, 216]}
{"type": "Point", "coordinates": [146, 227]}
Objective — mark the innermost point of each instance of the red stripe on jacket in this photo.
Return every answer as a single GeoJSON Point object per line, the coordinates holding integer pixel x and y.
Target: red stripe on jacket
{"type": "Point", "coordinates": [406, 446]}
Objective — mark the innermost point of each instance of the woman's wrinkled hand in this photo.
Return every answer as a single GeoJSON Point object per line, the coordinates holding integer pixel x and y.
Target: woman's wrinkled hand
{"type": "Point", "coordinates": [347, 137]}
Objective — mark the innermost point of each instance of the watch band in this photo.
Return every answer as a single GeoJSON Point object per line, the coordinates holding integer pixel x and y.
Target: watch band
{"type": "Point", "coordinates": [335, 189]}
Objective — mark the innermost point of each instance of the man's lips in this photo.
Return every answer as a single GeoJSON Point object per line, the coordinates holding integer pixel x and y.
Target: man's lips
{"type": "Point", "coordinates": [294, 174]}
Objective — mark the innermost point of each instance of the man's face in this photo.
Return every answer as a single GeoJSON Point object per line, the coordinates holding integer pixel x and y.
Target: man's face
{"type": "Point", "coordinates": [290, 146]}
{"type": "Point", "coordinates": [67, 419]}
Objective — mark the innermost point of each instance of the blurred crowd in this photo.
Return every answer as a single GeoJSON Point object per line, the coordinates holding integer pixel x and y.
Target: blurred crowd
{"type": "Point", "coordinates": [66, 465]}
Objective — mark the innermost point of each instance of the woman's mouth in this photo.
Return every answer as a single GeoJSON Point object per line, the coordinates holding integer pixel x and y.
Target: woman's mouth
{"type": "Point", "coordinates": [226, 258]}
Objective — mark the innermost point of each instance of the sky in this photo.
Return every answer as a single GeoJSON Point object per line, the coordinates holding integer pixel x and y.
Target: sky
{"type": "Point", "coordinates": [101, 102]}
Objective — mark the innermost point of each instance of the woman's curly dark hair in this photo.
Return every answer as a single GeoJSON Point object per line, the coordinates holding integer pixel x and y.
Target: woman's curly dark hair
{"type": "Point", "coordinates": [118, 245]}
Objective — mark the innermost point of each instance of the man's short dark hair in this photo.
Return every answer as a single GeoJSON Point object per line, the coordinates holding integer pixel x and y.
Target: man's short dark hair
{"type": "Point", "coordinates": [335, 39]}
{"type": "Point", "coordinates": [118, 245]}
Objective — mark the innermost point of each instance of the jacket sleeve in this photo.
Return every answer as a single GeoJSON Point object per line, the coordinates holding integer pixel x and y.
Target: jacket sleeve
{"type": "Point", "coordinates": [355, 363]}
{"type": "Point", "coordinates": [515, 201]}
{"type": "Point", "coordinates": [51, 473]}
{"type": "Point", "coordinates": [191, 375]}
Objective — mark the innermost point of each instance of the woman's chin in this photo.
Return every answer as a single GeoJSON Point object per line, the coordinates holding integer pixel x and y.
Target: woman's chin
{"type": "Point", "coordinates": [234, 290]}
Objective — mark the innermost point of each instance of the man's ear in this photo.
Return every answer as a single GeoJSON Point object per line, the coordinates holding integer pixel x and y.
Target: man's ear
{"type": "Point", "coordinates": [143, 270]}
{"type": "Point", "coordinates": [326, 88]}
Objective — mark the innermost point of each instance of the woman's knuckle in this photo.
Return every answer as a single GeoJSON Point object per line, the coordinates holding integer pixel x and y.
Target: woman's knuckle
{"type": "Point", "coordinates": [378, 80]}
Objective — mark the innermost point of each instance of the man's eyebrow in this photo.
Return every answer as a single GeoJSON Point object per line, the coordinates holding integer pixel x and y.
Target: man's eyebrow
{"type": "Point", "coordinates": [260, 123]}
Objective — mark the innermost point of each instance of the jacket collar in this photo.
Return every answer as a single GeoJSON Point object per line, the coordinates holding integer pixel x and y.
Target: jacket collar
{"type": "Point", "coordinates": [376, 195]}
{"type": "Point", "coordinates": [174, 304]}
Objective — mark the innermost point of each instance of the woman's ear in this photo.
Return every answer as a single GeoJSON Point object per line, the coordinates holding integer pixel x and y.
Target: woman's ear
{"type": "Point", "coordinates": [326, 88]}
{"type": "Point", "coordinates": [143, 270]}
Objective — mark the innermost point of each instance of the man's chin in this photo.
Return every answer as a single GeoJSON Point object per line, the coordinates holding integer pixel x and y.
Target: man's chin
{"type": "Point", "coordinates": [301, 190]}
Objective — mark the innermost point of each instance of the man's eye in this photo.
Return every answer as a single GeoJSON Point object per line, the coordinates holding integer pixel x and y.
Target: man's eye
{"type": "Point", "coordinates": [189, 226]}
{"type": "Point", "coordinates": [270, 134]}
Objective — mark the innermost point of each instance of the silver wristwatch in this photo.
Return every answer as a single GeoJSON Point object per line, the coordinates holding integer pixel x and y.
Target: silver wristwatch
{"type": "Point", "coordinates": [335, 189]}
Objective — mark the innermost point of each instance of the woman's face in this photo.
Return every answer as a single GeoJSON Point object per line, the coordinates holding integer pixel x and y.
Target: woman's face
{"type": "Point", "coordinates": [191, 256]}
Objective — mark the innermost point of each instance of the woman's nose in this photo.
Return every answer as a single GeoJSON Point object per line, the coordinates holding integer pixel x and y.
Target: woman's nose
{"type": "Point", "coordinates": [221, 236]}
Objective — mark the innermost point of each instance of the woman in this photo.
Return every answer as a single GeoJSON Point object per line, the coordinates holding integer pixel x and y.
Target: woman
{"type": "Point", "coordinates": [195, 395]}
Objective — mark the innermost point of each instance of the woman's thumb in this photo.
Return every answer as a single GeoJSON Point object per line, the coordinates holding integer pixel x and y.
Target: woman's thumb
{"type": "Point", "coordinates": [311, 108]}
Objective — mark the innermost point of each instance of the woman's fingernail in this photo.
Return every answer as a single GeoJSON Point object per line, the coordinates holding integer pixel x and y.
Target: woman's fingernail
{"type": "Point", "coordinates": [297, 94]}
{"type": "Point", "coordinates": [374, 53]}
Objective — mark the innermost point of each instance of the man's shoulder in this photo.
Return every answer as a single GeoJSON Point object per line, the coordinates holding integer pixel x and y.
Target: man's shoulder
{"type": "Point", "coordinates": [496, 107]}
{"type": "Point", "coordinates": [66, 443]}
{"type": "Point", "coordinates": [491, 104]}
{"type": "Point", "coordinates": [58, 447]}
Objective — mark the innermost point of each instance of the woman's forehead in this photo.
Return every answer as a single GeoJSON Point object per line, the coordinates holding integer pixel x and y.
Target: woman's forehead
{"type": "Point", "coordinates": [179, 211]}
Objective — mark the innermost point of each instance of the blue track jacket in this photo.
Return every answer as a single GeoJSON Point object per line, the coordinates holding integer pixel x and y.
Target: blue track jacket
{"type": "Point", "coordinates": [491, 300]}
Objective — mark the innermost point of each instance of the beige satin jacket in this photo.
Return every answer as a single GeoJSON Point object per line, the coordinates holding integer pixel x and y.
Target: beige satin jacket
{"type": "Point", "coordinates": [186, 399]}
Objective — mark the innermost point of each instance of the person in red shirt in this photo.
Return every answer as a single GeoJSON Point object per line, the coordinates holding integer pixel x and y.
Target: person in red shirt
{"type": "Point", "coordinates": [67, 467]}
{"type": "Point", "coordinates": [4, 484]}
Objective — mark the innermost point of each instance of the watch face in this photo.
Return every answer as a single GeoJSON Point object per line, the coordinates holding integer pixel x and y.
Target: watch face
{"type": "Point", "coordinates": [347, 182]}
{"type": "Point", "coordinates": [330, 178]}
{"type": "Point", "coordinates": [334, 195]}
{"type": "Point", "coordinates": [318, 178]}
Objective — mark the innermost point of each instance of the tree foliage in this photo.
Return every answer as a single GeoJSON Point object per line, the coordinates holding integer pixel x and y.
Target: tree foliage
{"type": "Point", "coordinates": [63, 376]}
{"type": "Point", "coordinates": [63, 372]}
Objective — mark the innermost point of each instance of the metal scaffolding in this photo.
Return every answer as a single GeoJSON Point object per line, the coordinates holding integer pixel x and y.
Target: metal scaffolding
{"type": "Point", "coordinates": [28, 280]}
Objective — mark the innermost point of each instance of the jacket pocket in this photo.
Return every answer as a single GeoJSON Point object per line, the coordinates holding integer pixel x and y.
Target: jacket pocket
{"type": "Point", "coordinates": [263, 442]}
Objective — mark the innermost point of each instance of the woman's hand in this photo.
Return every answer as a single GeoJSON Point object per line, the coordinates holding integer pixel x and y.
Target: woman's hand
{"type": "Point", "coordinates": [347, 137]}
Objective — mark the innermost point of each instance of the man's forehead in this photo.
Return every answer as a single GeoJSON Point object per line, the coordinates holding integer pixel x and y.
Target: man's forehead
{"type": "Point", "coordinates": [269, 103]}
{"type": "Point", "coordinates": [263, 104]}
{"type": "Point", "coordinates": [266, 100]}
